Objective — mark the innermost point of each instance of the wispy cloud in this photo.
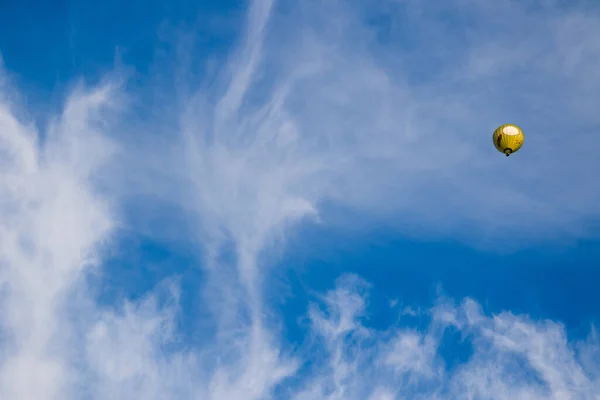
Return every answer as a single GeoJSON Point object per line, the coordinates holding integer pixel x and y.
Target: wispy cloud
{"type": "Point", "coordinates": [52, 226]}
{"type": "Point", "coordinates": [512, 355]}
{"type": "Point", "coordinates": [317, 108]}
{"type": "Point", "coordinates": [369, 124]}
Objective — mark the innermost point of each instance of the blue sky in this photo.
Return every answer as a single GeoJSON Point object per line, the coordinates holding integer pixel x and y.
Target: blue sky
{"type": "Point", "coordinates": [299, 200]}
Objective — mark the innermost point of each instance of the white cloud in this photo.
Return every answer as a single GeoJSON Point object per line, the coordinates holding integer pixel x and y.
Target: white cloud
{"type": "Point", "coordinates": [513, 357]}
{"type": "Point", "coordinates": [52, 225]}
{"type": "Point", "coordinates": [369, 125]}
{"type": "Point", "coordinates": [314, 113]}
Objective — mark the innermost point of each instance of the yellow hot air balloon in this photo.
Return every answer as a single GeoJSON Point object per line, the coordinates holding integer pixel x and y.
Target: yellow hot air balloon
{"type": "Point", "coordinates": [508, 138]}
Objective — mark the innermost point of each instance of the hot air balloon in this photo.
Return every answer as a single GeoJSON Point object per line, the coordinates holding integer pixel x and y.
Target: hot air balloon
{"type": "Point", "coordinates": [508, 138]}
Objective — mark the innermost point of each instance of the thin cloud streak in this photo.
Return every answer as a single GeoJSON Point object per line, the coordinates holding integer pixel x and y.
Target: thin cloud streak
{"type": "Point", "coordinates": [339, 122]}
{"type": "Point", "coordinates": [512, 355]}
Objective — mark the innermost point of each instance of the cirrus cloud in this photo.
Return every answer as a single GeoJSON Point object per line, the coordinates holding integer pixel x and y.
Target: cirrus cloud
{"type": "Point", "coordinates": [386, 119]}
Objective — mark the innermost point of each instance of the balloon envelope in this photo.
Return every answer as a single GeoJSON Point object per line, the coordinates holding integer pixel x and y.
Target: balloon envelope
{"type": "Point", "coordinates": [508, 138]}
